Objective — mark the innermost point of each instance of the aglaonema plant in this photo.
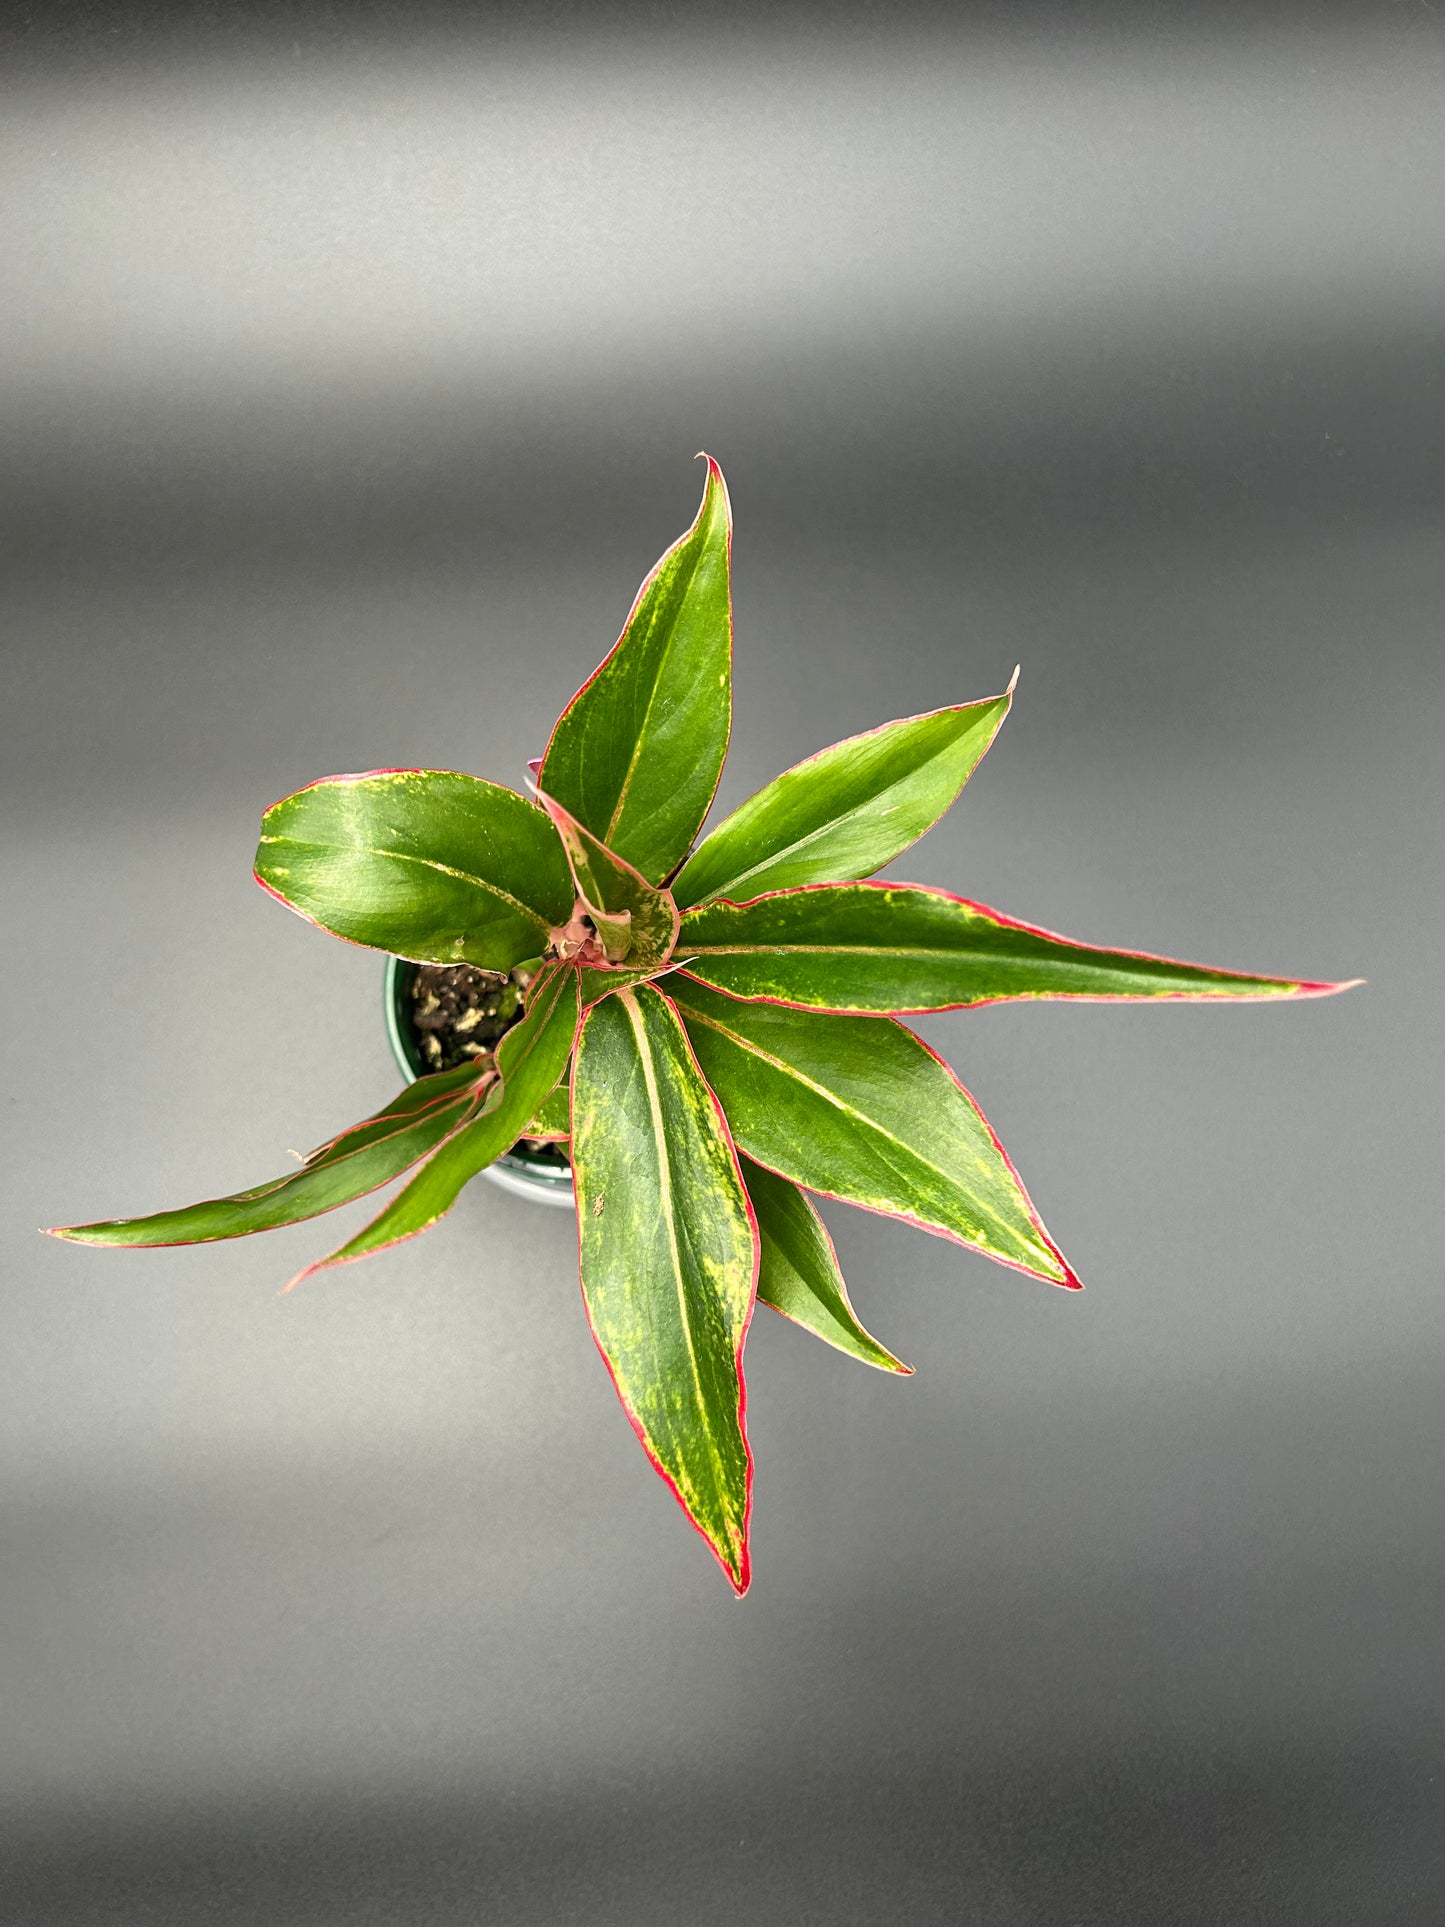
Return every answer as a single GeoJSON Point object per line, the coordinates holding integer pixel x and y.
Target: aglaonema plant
{"type": "Point", "coordinates": [713, 1031]}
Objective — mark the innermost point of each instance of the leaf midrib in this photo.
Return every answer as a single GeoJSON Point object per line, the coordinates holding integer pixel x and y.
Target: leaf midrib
{"type": "Point", "coordinates": [923, 952]}
{"type": "Point", "coordinates": [462, 1102]}
{"type": "Point", "coordinates": [830, 1097]}
{"type": "Point", "coordinates": [628, 1000]}
{"type": "Point", "coordinates": [422, 862]}
{"type": "Point", "coordinates": [791, 850]}
{"type": "Point", "coordinates": [831, 950]}
{"type": "Point", "coordinates": [685, 590]}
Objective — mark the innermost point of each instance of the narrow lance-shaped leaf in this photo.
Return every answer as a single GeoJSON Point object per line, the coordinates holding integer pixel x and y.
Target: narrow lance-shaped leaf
{"type": "Point", "coordinates": [858, 1108]}
{"type": "Point", "coordinates": [798, 1274]}
{"type": "Point", "coordinates": [530, 1058]}
{"type": "Point", "coordinates": [553, 1118]}
{"type": "Point", "coordinates": [668, 1257]}
{"type": "Point", "coordinates": [370, 1154]}
{"type": "Point", "coordinates": [636, 922]}
{"type": "Point", "coordinates": [846, 811]}
{"type": "Point", "coordinates": [428, 864]}
{"type": "Point", "coordinates": [637, 752]}
{"type": "Point", "coordinates": [410, 1106]}
{"type": "Point", "coordinates": [899, 947]}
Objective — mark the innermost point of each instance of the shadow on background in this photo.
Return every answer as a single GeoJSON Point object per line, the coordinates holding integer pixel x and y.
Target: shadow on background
{"type": "Point", "coordinates": [1251, 1838]}
{"type": "Point", "coordinates": [928, 439]}
{"type": "Point", "coordinates": [350, 385]}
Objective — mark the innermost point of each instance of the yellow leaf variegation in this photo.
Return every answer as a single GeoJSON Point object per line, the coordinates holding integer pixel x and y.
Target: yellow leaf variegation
{"type": "Point", "coordinates": [711, 1032]}
{"type": "Point", "coordinates": [669, 1256]}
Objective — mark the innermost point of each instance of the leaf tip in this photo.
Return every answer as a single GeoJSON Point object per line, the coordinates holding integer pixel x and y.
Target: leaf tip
{"type": "Point", "coordinates": [1013, 681]}
{"type": "Point", "coordinates": [1060, 1272]}
{"type": "Point", "coordinates": [739, 1577]}
{"type": "Point", "coordinates": [1332, 990]}
{"type": "Point", "coordinates": [1295, 990]}
{"type": "Point", "coordinates": [90, 1235]}
{"type": "Point", "coordinates": [715, 479]}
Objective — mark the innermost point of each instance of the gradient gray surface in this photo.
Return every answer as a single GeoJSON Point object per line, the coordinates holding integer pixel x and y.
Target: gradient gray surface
{"type": "Point", "coordinates": [351, 385]}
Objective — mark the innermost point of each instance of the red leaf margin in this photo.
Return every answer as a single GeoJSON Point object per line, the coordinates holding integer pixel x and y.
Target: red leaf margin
{"type": "Point", "coordinates": [423, 1110]}
{"type": "Point", "coordinates": [714, 473]}
{"type": "Point", "coordinates": [1006, 697]}
{"type": "Point", "coordinates": [1291, 989]}
{"type": "Point", "coordinates": [263, 1191]}
{"type": "Point", "coordinates": [1071, 1281]}
{"type": "Point", "coordinates": [362, 776]}
{"type": "Point", "coordinates": [555, 810]}
{"type": "Point", "coordinates": [334, 1263]}
{"type": "Point", "coordinates": [897, 1369]}
{"type": "Point", "coordinates": [744, 1576]}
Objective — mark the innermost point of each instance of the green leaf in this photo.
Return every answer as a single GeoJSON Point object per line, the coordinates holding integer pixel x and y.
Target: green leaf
{"type": "Point", "coordinates": [602, 981]}
{"type": "Point", "coordinates": [371, 1153]}
{"type": "Point", "coordinates": [637, 753]}
{"type": "Point", "coordinates": [425, 863]}
{"type": "Point", "coordinates": [846, 811]}
{"type": "Point", "coordinates": [858, 1108]}
{"type": "Point", "coordinates": [553, 1119]}
{"type": "Point", "coordinates": [409, 1106]}
{"type": "Point", "coordinates": [636, 923]}
{"type": "Point", "coordinates": [898, 947]}
{"type": "Point", "coordinates": [531, 1057]}
{"type": "Point", "coordinates": [798, 1274]}
{"type": "Point", "coordinates": [669, 1257]}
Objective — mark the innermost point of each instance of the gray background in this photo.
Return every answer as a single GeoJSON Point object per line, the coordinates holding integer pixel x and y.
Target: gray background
{"type": "Point", "coordinates": [353, 364]}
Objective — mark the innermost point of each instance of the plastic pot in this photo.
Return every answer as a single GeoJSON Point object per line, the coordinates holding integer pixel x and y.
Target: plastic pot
{"type": "Point", "coordinates": [544, 1176]}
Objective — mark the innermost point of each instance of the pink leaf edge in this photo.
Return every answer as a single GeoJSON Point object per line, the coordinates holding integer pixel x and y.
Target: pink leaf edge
{"type": "Point", "coordinates": [714, 474]}
{"type": "Point", "coordinates": [1290, 989]}
{"type": "Point", "coordinates": [1070, 1281]}
{"type": "Point", "coordinates": [743, 1578]}
{"type": "Point", "coordinates": [897, 1368]}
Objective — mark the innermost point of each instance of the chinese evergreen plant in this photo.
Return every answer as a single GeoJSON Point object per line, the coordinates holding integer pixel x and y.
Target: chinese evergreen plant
{"type": "Point", "coordinates": [714, 1031]}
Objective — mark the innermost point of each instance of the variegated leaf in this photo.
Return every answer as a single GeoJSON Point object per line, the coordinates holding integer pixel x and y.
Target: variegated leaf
{"type": "Point", "coordinates": [669, 1256]}
{"type": "Point", "coordinates": [858, 1108]}
{"type": "Point", "coordinates": [428, 864]}
{"type": "Point", "coordinates": [798, 1274]}
{"type": "Point", "coordinates": [368, 1155]}
{"type": "Point", "coordinates": [864, 947]}
{"type": "Point", "coordinates": [846, 811]}
{"type": "Point", "coordinates": [636, 754]}
{"type": "Point", "coordinates": [530, 1058]}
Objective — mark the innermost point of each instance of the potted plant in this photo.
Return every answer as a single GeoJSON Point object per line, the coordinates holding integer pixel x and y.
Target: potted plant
{"type": "Point", "coordinates": [684, 1039]}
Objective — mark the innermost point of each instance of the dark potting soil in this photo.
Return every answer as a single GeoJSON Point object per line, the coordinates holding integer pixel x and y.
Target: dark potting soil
{"type": "Point", "coordinates": [459, 1014]}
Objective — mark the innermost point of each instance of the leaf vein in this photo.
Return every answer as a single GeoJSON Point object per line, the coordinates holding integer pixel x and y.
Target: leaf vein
{"type": "Point", "coordinates": [629, 1003]}
{"type": "Point", "coordinates": [422, 862]}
